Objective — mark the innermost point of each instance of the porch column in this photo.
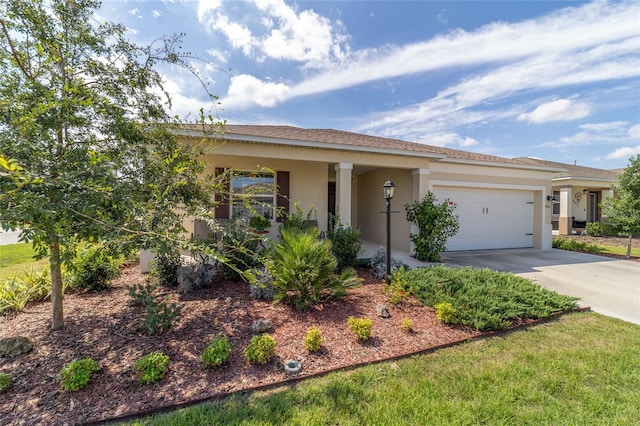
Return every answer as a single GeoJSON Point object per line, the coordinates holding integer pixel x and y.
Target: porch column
{"type": "Point", "coordinates": [343, 192]}
{"type": "Point", "coordinates": [420, 183]}
{"type": "Point", "coordinates": [419, 190]}
{"type": "Point", "coordinates": [565, 222]}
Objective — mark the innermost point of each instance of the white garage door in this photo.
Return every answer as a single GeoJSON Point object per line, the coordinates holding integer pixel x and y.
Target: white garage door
{"type": "Point", "coordinates": [490, 218]}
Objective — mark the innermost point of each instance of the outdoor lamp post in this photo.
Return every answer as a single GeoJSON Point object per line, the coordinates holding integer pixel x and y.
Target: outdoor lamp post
{"type": "Point", "coordinates": [388, 188]}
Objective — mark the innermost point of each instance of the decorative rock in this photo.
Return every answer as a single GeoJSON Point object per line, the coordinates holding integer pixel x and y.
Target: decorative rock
{"type": "Point", "coordinates": [11, 347]}
{"type": "Point", "coordinates": [261, 326]}
{"type": "Point", "coordinates": [382, 311]}
{"type": "Point", "coordinates": [292, 367]}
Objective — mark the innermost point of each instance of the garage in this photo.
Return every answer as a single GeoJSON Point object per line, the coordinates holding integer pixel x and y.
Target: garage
{"type": "Point", "coordinates": [490, 218]}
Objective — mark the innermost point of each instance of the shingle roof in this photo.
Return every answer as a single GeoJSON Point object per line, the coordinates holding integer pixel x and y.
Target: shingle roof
{"type": "Point", "coordinates": [302, 136]}
{"type": "Point", "coordinates": [575, 171]}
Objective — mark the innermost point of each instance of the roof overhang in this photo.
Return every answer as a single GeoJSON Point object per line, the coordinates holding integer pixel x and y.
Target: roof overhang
{"type": "Point", "coordinates": [503, 165]}
{"type": "Point", "coordinates": [308, 144]}
{"type": "Point", "coordinates": [568, 178]}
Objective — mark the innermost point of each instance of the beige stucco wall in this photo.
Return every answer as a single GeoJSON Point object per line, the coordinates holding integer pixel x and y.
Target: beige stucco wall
{"type": "Point", "coordinates": [311, 168]}
{"type": "Point", "coordinates": [307, 180]}
{"type": "Point", "coordinates": [371, 199]}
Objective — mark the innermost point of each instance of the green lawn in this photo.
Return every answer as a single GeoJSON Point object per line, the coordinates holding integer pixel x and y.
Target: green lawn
{"type": "Point", "coordinates": [619, 250]}
{"type": "Point", "coordinates": [15, 258]}
{"type": "Point", "coordinates": [583, 368]}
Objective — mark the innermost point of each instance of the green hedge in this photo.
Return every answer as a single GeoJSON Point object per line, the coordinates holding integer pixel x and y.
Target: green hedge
{"type": "Point", "coordinates": [485, 299]}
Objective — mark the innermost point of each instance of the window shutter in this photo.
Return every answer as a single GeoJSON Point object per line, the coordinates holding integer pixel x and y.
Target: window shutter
{"type": "Point", "coordinates": [282, 180]}
{"type": "Point", "coordinates": [222, 210]}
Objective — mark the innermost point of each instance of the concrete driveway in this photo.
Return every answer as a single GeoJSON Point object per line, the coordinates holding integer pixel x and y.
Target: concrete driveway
{"type": "Point", "coordinates": [609, 286]}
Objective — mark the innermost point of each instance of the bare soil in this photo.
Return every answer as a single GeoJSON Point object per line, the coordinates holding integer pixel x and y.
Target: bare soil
{"type": "Point", "coordinates": [103, 326]}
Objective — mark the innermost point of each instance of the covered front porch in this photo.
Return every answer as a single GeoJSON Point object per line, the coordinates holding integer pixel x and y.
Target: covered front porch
{"type": "Point", "coordinates": [576, 205]}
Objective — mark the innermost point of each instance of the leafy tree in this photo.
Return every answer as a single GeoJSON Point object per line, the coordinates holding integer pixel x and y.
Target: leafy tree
{"type": "Point", "coordinates": [623, 209]}
{"type": "Point", "coordinates": [88, 151]}
{"type": "Point", "coordinates": [436, 223]}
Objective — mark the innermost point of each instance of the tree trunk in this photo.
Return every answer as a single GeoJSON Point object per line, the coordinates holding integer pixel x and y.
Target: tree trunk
{"type": "Point", "coordinates": [56, 286]}
{"type": "Point", "coordinates": [628, 256]}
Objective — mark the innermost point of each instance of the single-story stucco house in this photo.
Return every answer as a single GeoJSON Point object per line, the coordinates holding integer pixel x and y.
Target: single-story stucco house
{"type": "Point", "coordinates": [577, 192]}
{"type": "Point", "coordinates": [501, 202]}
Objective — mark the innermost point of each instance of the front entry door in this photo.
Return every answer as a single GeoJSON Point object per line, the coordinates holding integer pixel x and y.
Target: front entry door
{"type": "Point", "coordinates": [331, 202]}
{"type": "Point", "coordinates": [593, 210]}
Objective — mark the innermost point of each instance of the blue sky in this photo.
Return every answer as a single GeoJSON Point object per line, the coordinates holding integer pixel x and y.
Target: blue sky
{"type": "Point", "coordinates": [558, 80]}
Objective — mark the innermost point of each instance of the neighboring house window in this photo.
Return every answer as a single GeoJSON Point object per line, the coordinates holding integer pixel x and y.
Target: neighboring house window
{"type": "Point", "coordinates": [555, 207]}
{"type": "Point", "coordinates": [252, 190]}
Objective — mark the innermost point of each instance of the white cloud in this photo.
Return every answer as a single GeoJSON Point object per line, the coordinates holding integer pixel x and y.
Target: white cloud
{"type": "Point", "coordinates": [634, 132]}
{"type": "Point", "coordinates": [135, 12]}
{"type": "Point", "coordinates": [282, 33]}
{"type": "Point", "coordinates": [248, 89]}
{"type": "Point", "coordinates": [304, 37]}
{"type": "Point", "coordinates": [207, 6]}
{"type": "Point", "coordinates": [450, 139]}
{"type": "Point", "coordinates": [156, 13]}
{"type": "Point", "coordinates": [569, 46]}
{"type": "Point", "coordinates": [468, 142]}
{"type": "Point", "coordinates": [624, 153]}
{"type": "Point", "coordinates": [611, 126]}
{"type": "Point", "coordinates": [558, 110]}
{"type": "Point", "coordinates": [238, 35]}
{"type": "Point", "coordinates": [219, 55]}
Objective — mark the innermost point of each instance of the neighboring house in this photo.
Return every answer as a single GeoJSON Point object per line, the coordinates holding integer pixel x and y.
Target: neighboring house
{"type": "Point", "coordinates": [577, 192]}
{"type": "Point", "coordinates": [501, 203]}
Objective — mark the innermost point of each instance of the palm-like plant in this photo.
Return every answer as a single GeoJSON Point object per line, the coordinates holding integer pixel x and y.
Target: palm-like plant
{"type": "Point", "coordinates": [302, 267]}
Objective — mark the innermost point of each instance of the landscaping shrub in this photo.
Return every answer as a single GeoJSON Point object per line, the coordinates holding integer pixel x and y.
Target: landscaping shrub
{"type": "Point", "coordinates": [165, 268]}
{"type": "Point", "coordinates": [240, 246]}
{"type": "Point", "coordinates": [407, 325]}
{"type": "Point", "coordinates": [484, 299]}
{"type": "Point", "coordinates": [573, 245]}
{"type": "Point", "coordinates": [159, 316]}
{"type": "Point", "coordinates": [378, 263]}
{"type": "Point", "coordinates": [77, 373]}
{"type": "Point", "coordinates": [25, 287]}
{"type": "Point", "coordinates": [345, 242]}
{"type": "Point", "coordinates": [259, 222]}
{"type": "Point", "coordinates": [217, 352]}
{"type": "Point", "coordinates": [313, 339]}
{"type": "Point", "coordinates": [141, 294]}
{"type": "Point", "coordinates": [5, 382]}
{"type": "Point", "coordinates": [399, 289]}
{"type": "Point", "coordinates": [261, 349]}
{"type": "Point", "coordinates": [436, 223]}
{"type": "Point", "coordinates": [445, 312]}
{"type": "Point", "coordinates": [302, 269]}
{"type": "Point", "coordinates": [298, 220]}
{"type": "Point", "coordinates": [594, 229]}
{"type": "Point", "coordinates": [94, 268]}
{"type": "Point", "coordinates": [151, 367]}
{"type": "Point", "coordinates": [361, 327]}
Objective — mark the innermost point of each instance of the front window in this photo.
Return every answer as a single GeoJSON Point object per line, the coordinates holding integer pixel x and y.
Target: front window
{"type": "Point", "coordinates": [555, 206]}
{"type": "Point", "coordinates": [252, 193]}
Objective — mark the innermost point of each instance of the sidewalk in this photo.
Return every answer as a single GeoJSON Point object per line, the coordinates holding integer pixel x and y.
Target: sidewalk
{"type": "Point", "coordinates": [9, 238]}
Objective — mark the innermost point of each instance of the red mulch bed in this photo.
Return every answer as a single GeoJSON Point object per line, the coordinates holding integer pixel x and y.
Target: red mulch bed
{"type": "Point", "coordinates": [103, 326]}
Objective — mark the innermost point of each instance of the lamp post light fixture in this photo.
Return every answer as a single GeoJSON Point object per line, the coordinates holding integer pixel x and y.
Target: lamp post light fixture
{"type": "Point", "coordinates": [389, 188]}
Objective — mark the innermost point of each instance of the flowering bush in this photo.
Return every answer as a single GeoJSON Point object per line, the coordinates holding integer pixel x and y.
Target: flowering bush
{"type": "Point", "coordinates": [436, 224]}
